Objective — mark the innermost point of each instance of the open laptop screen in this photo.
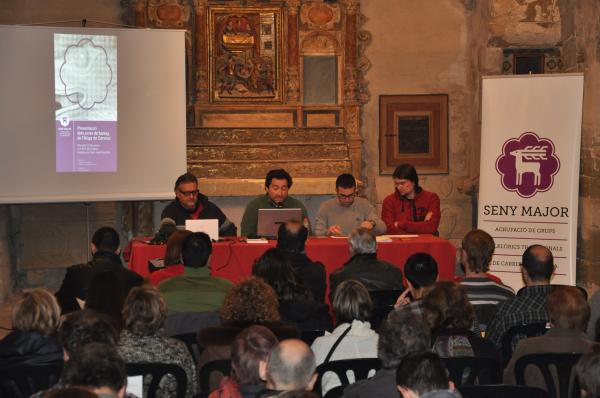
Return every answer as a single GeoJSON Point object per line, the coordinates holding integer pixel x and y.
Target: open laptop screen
{"type": "Point", "coordinates": [269, 220]}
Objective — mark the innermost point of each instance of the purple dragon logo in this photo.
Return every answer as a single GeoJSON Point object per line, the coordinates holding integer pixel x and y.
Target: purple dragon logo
{"type": "Point", "coordinates": [527, 164]}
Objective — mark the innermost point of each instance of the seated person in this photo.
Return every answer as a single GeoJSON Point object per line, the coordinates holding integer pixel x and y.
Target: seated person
{"type": "Point", "coordinates": [35, 318]}
{"type": "Point", "coordinates": [365, 267]}
{"type": "Point", "coordinates": [410, 209]}
{"type": "Point", "coordinates": [339, 216]}
{"type": "Point", "coordinates": [105, 251]}
{"type": "Point", "coordinates": [587, 372]}
{"type": "Point", "coordinates": [142, 340]}
{"type": "Point", "coordinates": [190, 204]}
{"type": "Point", "coordinates": [291, 239]}
{"type": "Point", "coordinates": [290, 367]}
{"type": "Point", "coordinates": [277, 184]}
{"type": "Point", "coordinates": [102, 298]}
{"type": "Point", "coordinates": [421, 273]}
{"type": "Point", "coordinates": [196, 290]}
{"type": "Point", "coordinates": [296, 303]}
{"type": "Point", "coordinates": [352, 308]}
{"type": "Point", "coordinates": [423, 375]}
{"type": "Point", "coordinates": [172, 260]}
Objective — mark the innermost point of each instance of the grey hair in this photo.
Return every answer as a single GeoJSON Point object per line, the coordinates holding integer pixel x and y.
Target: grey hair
{"type": "Point", "coordinates": [362, 241]}
{"type": "Point", "coordinates": [297, 372]}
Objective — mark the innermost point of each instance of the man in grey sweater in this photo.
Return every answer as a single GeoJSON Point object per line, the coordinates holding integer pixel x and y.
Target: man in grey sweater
{"type": "Point", "coordinates": [339, 216]}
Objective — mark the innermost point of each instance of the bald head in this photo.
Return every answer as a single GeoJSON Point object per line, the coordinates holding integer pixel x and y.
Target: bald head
{"type": "Point", "coordinates": [538, 263]}
{"type": "Point", "coordinates": [292, 236]}
{"type": "Point", "coordinates": [291, 366]}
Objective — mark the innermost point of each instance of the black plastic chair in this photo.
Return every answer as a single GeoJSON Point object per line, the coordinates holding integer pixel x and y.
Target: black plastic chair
{"type": "Point", "coordinates": [469, 370]}
{"type": "Point", "coordinates": [507, 341]}
{"type": "Point", "coordinates": [191, 342]}
{"type": "Point", "coordinates": [222, 366]}
{"type": "Point", "coordinates": [157, 371]}
{"type": "Point", "coordinates": [562, 362]}
{"type": "Point", "coordinates": [335, 392]}
{"type": "Point", "coordinates": [309, 336]}
{"type": "Point", "coordinates": [23, 381]}
{"type": "Point", "coordinates": [502, 391]}
{"type": "Point", "coordinates": [360, 368]}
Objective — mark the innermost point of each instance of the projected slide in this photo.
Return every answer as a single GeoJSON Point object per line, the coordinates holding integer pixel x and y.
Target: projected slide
{"type": "Point", "coordinates": [85, 86]}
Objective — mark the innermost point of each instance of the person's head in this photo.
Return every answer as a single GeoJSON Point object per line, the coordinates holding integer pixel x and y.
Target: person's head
{"type": "Point", "coordinates": [568, 308]}
{"type": "Point", "coordinates": [275, 268]}
{"type": "Point", "coordinates": [537, 265]}
{"type": "Point", "coordinates": [477, 250]}
{"type": "Point", "coordinates": [145, 310]}
{"type": "Point", "coordinates": [402, 333]}
{"type": "Point", "coordinates": [106, 295]}
{"type": "Point", "coordinates": [80, 328]}
{"type": "Point", "coordinates": [99, 367]}
{"type": "Point", "coordinates": [362, 241]}
{"type": "Point", "coordinates": [351, 301]}
{"type": "Point", "coordinates": [277, 184]}
{"type": "Point", "coordinates": [421, 270]}
{"type": "Point", "coordinates": [406, 180]}
{"type": "Point", "coordinates": [106, 239]}
{"type": "Point", "coordinates": [292, 236]}
{"type": "Point", "coordinates": [421, 373]}
{"type": "Point", "coordinates": [587, 372]}
{"type": "Point", "coordinates": [251, 347]}
{"type": "Point", "coordinates": [186, 191]}
{"type": "Point", "coordinates": [173, 250]}
{"type": "Point", "coordinates": [447, 306]}
{"type": "Point", "coordinates": [345, 189]}
{"type": "Point", "coordinates": [291, 366]}
{"type": "Point", "coordinates": [251, 300]}
{"type": "Point", "coordinates": [36, 310]}
{"type": "Point", "coordinates": [195, 250]}
{"type": "Point", "coordinates": [71, 392]}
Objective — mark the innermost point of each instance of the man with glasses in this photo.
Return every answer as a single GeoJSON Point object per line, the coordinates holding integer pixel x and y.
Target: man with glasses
{"type": "Point", "coordinates": [189, 204]}
{"type": "Point", "coordinates": [339, 216]}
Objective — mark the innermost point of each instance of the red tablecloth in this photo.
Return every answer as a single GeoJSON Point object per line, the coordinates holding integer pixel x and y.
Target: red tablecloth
{"type": "Point", "coordinates": [233, 260]}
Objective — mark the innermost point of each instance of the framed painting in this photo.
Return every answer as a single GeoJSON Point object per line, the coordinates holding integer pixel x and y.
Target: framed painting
{"type": "Point", "coordinates": [413, 129]}
{"type": "Point", "coordinates": [245, 53]}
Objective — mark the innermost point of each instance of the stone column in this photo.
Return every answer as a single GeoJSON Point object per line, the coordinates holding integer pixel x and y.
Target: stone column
{"type": "Point", "coordinates": [293, 78]}
{"type": "Point", "coordinates": [201, 56]}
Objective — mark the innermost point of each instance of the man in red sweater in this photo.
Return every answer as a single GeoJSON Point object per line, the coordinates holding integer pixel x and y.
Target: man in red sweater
{"type": "Point", "coordinates": [410, 209]}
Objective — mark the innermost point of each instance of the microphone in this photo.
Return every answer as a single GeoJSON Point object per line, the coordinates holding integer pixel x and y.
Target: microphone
{"type": "Point", "coordinates": [166, 228]}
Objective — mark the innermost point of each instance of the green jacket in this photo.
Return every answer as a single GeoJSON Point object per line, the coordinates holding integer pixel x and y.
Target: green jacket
{"type": "Point", "coordinates": [250, 218]}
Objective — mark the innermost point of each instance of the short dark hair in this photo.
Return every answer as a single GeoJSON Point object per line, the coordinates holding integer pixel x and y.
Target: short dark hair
{"type": "Point", "coordinates": [84, 327]}
{"type": "Point", "coordinates": [407, 171]}
{"type": "Point", "coordinates": [421, 270]}
{"type": "Point", "coordinates": [195, 250]}
{"type": "Point", "coordinates": [351, 301]}
{"type": "Point", "coordinates": [422, 372]}
{"type": "Point", "coordinates": [106, 239]}
{"type": "Point", "coordinates": [292, 236]}
{"type": "Point", "coordinates": [568, 308]}
{"type": "Point", "coordinates": [275, 268]}
{"type": "Point", "coordinates": [479, 247]}
{"type": "Point", "coordinates": [538, 261]}
{"type": "Point", "coordinates": [279, 174]}
{"type": "Point", "coordinates": [402, 333]}
{"type": "Point", "coordinates": [251, 345]}
{"type": "Point", "coordinates": [96, 365]}
{"type": "Point", "coordinates": [187, 177]}
{"type": "Point", "coordinates": [587, 372]}
{"type": "Point", "coordinates": [345, 181]}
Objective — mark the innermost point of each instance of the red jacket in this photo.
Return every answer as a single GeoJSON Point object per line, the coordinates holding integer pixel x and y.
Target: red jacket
{"type": "Point", "coordinates": [410, 214]}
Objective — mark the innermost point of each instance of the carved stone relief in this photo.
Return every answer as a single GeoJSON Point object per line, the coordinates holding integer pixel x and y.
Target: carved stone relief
{"type": "Point", "coordinates": [316, 15]}
{"type": "Point", "coordinates": [168, 13]}
{"type": "Point", "coordinates": [320, 43]}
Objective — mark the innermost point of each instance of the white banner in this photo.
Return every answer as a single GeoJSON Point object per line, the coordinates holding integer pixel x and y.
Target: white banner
{"type": "Point", "coordinates": [529, 175]}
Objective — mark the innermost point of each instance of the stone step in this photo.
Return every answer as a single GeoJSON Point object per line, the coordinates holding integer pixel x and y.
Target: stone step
{"type": "Point", "coordinates": [212, 136]}
{"type": "Point", "coordinates": [267, 152]}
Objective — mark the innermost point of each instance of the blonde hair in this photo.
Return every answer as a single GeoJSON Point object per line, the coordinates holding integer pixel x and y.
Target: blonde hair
{"type": "Point", "coordinates": [36, 311]}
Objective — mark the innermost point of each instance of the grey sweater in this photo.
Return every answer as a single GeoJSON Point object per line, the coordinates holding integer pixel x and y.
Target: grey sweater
{"type": "Point", "coordinates": [332, 213]}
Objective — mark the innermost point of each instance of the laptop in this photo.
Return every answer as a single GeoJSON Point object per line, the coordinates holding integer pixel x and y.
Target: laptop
{"type": "Point", "coordinates": [209, 227]}
{"type": "Point", "coordinates": [269, 220]}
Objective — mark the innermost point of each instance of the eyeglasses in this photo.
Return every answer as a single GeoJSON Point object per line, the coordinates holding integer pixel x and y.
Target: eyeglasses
{"type": "Point", "coordinates": [189, 193]}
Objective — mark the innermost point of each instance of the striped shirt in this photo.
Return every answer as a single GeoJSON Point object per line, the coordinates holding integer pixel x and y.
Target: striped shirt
{"type": "Point", "coordinates": [485, 294]}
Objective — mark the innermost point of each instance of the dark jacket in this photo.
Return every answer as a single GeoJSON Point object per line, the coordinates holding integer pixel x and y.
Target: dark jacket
{"type": "Point", "coordinates": [311, 273]}
{"type": "Point", "coordinates": [306, 313]}
{"type": "Point", "coordinates": [78, 278]}
{"type": "Point", "coordinates": [209, 211]}
{"type": "Point", "coordinates": [366, 268]}
{"type": "Point", "coordinates": [29, 349]}
{"type": "Point", "coordinates": [382, 385]}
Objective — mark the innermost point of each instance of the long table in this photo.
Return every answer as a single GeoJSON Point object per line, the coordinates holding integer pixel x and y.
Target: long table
{"type": "Point", "coordinates": [233, 259]}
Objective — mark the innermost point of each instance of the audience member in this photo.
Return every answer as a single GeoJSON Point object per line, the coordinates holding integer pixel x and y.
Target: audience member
{"type": "Point", "coordinates": [277, 184]}
{"type": "Point", "coordinates": [102, 298]}
{"type": "Point", "coordinates": [587, 372]}
{"type": "Point", "coordinates": [365, 267]}
{"type": "Point", "coordinates": [72, 392]}
{"type": "Point", "coordinates": [421, 273]}
{"type": "Point", "coordinates": [35, 317]}
{"type": "Point", "coordinates": [402, 333]}
{"type": "Point", "coordinates": [339, 216]}
{"type": "Point", "coordinates": [410, 209]}
{"type": "Point", "coordinates": [172, 261]}
{"type": "Point", "coordinates": [142, 340]}
{"type": "Point", "coordinates": [290, 367]}
{"type": "Point", "coordinates": [485, 291]}
{"type": "Point", "coordinates": [353, 337]}
{"type": "Point", "coordinates": [291, 238]}
{"type": "Point", "coordinates": [249, 350]}
{"type": "Point", "coordinates": [423, 375]}
{"type": "Point", "coordinates": [529, 305]}
{"type": "Point", "coordinates": [296, 303]}
{"type": "Point", "coordinates": [105, 258]}
{"type": "Point", "coordinates": [196, 290]}
{"type": "Point", "coordinates": [451, 319]}
{"type": "Point", "coordinates": [190, 204]}
{"type": "Point", "coordinates": [569, 315]}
